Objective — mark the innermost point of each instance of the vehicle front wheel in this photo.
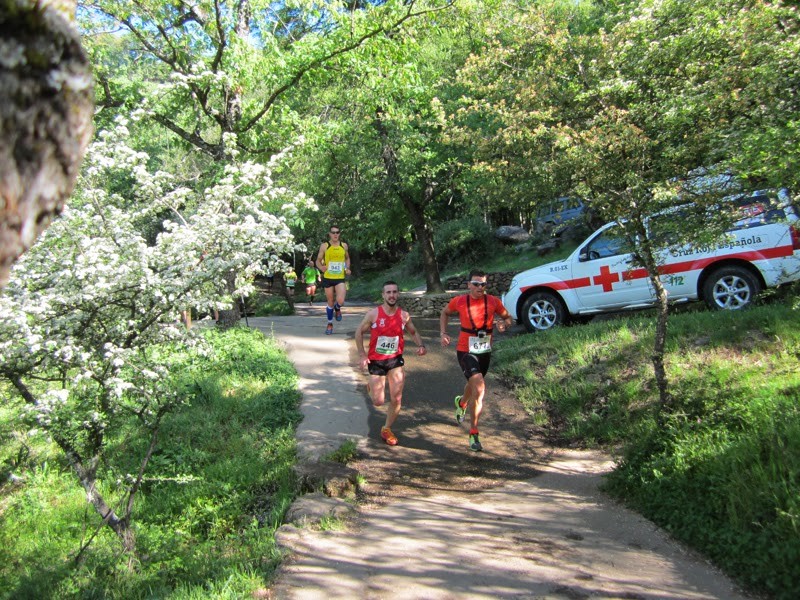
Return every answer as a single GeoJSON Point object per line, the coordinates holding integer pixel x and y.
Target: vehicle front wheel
{"type": "Point", "coordinates": [730, 288]}
{"type": "Point", "coordinates": [543, 311]}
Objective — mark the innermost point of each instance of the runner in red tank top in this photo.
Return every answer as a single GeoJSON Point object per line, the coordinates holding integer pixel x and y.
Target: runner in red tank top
{"type": "Point", "coordinates": [476, 311]}
{"type": "Point", "coordinates": [387, 325]}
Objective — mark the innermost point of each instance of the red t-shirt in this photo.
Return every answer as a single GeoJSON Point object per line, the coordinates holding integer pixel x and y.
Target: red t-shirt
{"type": "Point", "coordinates": [386, 337]}
{"type": "Point", "coordinates": [482, 316]}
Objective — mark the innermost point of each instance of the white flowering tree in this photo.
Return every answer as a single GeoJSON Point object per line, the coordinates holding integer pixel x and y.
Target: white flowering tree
{"type": "Point", "coordinates": [90, 312]}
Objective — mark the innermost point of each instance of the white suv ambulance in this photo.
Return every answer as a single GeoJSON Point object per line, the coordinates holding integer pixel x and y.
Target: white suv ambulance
{"type": "Point", "coordinates": [761, 250]}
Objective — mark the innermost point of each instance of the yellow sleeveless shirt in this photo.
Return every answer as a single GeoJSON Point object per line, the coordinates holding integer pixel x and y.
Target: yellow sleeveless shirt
{"type": "Point", "coordinates": [335, 261]}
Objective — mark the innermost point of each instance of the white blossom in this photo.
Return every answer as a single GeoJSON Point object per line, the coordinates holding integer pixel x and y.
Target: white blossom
{"type": "Point", "coordinates": [92, 300]}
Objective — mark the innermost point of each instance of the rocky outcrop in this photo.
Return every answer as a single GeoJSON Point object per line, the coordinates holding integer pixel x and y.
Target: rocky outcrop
{"type": "Point", "coordinates": [512, 234]}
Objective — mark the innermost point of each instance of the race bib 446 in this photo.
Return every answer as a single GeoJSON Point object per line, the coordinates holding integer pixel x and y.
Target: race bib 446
{"type": "Point", "coordinates": [387, 345]}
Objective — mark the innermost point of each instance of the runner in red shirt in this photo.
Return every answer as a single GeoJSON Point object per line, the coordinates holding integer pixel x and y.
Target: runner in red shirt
{"type": "Point", "coordinates": [387, 324]}
{"type": "Point", "coordinates": [476, 311]}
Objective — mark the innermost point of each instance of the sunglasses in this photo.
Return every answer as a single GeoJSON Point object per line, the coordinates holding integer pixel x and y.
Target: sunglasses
{"type": "Point", "coordinates": [478, 283]}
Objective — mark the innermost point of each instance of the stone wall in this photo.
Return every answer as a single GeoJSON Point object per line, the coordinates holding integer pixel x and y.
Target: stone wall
{"type": "Point", "coordinates": [431, 305]}
{"type": "Point", "coordinates": [498, 282]}
{"type": "Point", "coordinates": [423, 305]}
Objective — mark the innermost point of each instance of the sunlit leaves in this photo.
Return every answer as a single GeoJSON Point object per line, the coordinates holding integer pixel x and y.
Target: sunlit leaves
{"type": "Point", "coordinates": [92, 309]}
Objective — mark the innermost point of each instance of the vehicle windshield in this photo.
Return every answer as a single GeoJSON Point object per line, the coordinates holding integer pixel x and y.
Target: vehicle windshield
{"type": "Point", "coordinates": [610, 242]}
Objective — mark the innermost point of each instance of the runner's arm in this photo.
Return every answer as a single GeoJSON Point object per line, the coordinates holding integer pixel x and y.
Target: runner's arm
{"type": "Point", "coordinates": [321, 258]}
{"type": "Point", "coordinates": [364, 327]}
{"type": "Point", "coordinates": [444, 317]}
{"type": "Point", "coordinates": [346, 258]}
{"type": "Point", "coordinates": [507, 321]}
{"type": "Point", "coordinates": [415, 334]}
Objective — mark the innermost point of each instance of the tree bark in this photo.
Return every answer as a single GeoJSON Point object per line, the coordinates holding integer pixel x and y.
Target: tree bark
{"type": "Point", "coordinates": [659, 345]}
{"type": "Point", "coordinates": [433, 279]}
{"type": "Point", "coordinates": [660, 341]}
{"type": "Point", "coordinates": [416, 212]}
{"type": "Point", "coordinates": [230, 317]}
{"type": "Point", "coordinates": [46, 110]}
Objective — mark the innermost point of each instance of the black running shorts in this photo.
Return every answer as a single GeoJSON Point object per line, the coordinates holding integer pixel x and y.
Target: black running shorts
{"type": "Point", "coordinates": [474, 363]}
{"type": "Point", "coordinates": [326, 283]}
{"type": "Point", "coordinates": [382, 367]}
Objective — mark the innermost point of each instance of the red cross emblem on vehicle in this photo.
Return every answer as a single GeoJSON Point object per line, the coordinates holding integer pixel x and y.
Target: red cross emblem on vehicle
{"type": "Point", "coordinates": [606, 278]}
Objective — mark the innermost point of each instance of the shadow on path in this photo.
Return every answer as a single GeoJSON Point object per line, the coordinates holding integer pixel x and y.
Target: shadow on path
{"type": "Point", "coordinates": [519, 520]}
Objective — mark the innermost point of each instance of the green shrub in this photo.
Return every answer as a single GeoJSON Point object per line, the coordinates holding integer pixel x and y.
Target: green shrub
{"type": "Point", "coordinates": [344, 453]}
{"type": "Point", "coordinates": [457, 244]}
{"type": "Point", "coordinates": [273, 307]}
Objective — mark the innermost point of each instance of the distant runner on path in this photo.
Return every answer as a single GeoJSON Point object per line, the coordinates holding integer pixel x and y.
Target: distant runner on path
{"type": "Point", "coordinates": [476, 311]}
{"type": "Point", "coordinates": [387, 324]}
{"type": "Point", "coordinates": [333, 259]}
{"type": "Point", "coordinates": [311, 277]}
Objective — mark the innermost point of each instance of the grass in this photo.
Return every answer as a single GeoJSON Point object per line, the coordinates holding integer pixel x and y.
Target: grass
{"type": "Point", "coordinates": [215, 492]}
{"type": "Point", "coordinates": [344, 453]}
{"type": "Point", "coordinates": [272, 306]}
{"type": "Point", "coordinates": [721, 469]}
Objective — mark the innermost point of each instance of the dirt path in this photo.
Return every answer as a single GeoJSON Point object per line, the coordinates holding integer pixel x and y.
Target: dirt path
{"type": "Point", "coordinates": [436, 520]}
{"type": "Point", "coordinates": [433, 455]}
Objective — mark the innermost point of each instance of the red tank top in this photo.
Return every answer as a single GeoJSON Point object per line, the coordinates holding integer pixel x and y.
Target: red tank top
{"type": "Point", "coordinates": [386, 337]}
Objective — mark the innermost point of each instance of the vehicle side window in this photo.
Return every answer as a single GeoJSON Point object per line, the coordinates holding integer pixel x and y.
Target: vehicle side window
{"type": "Point", "coordinates": [756, 211]}
{"type": "Point", "coordinates": [611, 242]}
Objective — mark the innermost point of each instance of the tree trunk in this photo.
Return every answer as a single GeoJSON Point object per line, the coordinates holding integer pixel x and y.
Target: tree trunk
{"type": "Point", "coordinates": [230, 317]}
{"type": "Point", "coordinates": [433, 279]}
{"type": "Point", "coordinates": [86, 474]}
{"type": "Point", "coordinates": [120, 526]}
{"type": "Point", "coordinates": [46, 127]}
{"type": "Point", "coordinates": [416, 212]}
{"type": "Point", "coordinates": [660, 341]}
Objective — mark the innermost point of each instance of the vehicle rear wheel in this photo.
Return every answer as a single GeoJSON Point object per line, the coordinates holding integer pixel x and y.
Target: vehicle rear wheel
{"type": "Point", "coordinates": [730, 288]}
{"type": "Point", "coordinates": [543, 311]}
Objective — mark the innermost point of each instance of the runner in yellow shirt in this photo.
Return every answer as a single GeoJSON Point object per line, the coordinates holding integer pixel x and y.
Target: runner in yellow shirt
{"type": "Point", "coordinates": [333, 259]}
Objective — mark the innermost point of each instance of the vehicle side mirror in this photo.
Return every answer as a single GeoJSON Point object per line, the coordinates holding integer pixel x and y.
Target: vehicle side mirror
{"type": "Point", "coordinates": [583, 256]}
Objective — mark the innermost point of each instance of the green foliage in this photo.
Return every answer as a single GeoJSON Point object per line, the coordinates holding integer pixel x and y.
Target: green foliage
{"type": "Point", "coordinates": [721, 471]}
{"type": "Point", "coordinates": [331, 524]}
{"type": "Point", "coordinates": [368, 286]}
{"type": "Point", "coordinates": [273, 306]}
{"type": "Point", "coordinates": [344, 453]}
{"type": "Point", "coordinates": [458, 244]}
{"type": "Point", "coordinates": [736, 468]}
{"type": "Point", "coordinates": [216, 489]}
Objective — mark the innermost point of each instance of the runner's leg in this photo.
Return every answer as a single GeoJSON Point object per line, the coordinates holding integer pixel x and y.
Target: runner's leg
{"type": "Point", "coordinates": [377, 386]}
{"type": "Point", "coordinates": [329, 298]}
{"type": "Point", "coordinates": [396, 382]}
{"type": "Point", "coordinates": [477, 389]}
{"type": "Point", "coordinates": [341, 292]}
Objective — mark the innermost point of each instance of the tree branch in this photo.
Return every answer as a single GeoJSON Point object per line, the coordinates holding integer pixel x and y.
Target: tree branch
{"type": "Point", "coordinates": [294, 79]}
{"type": "Point", "coordinates": [213, 150]}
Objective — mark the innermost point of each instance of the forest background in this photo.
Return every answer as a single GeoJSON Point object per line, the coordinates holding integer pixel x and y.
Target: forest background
{"type": "Point", "coordinates": [230, 135]}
